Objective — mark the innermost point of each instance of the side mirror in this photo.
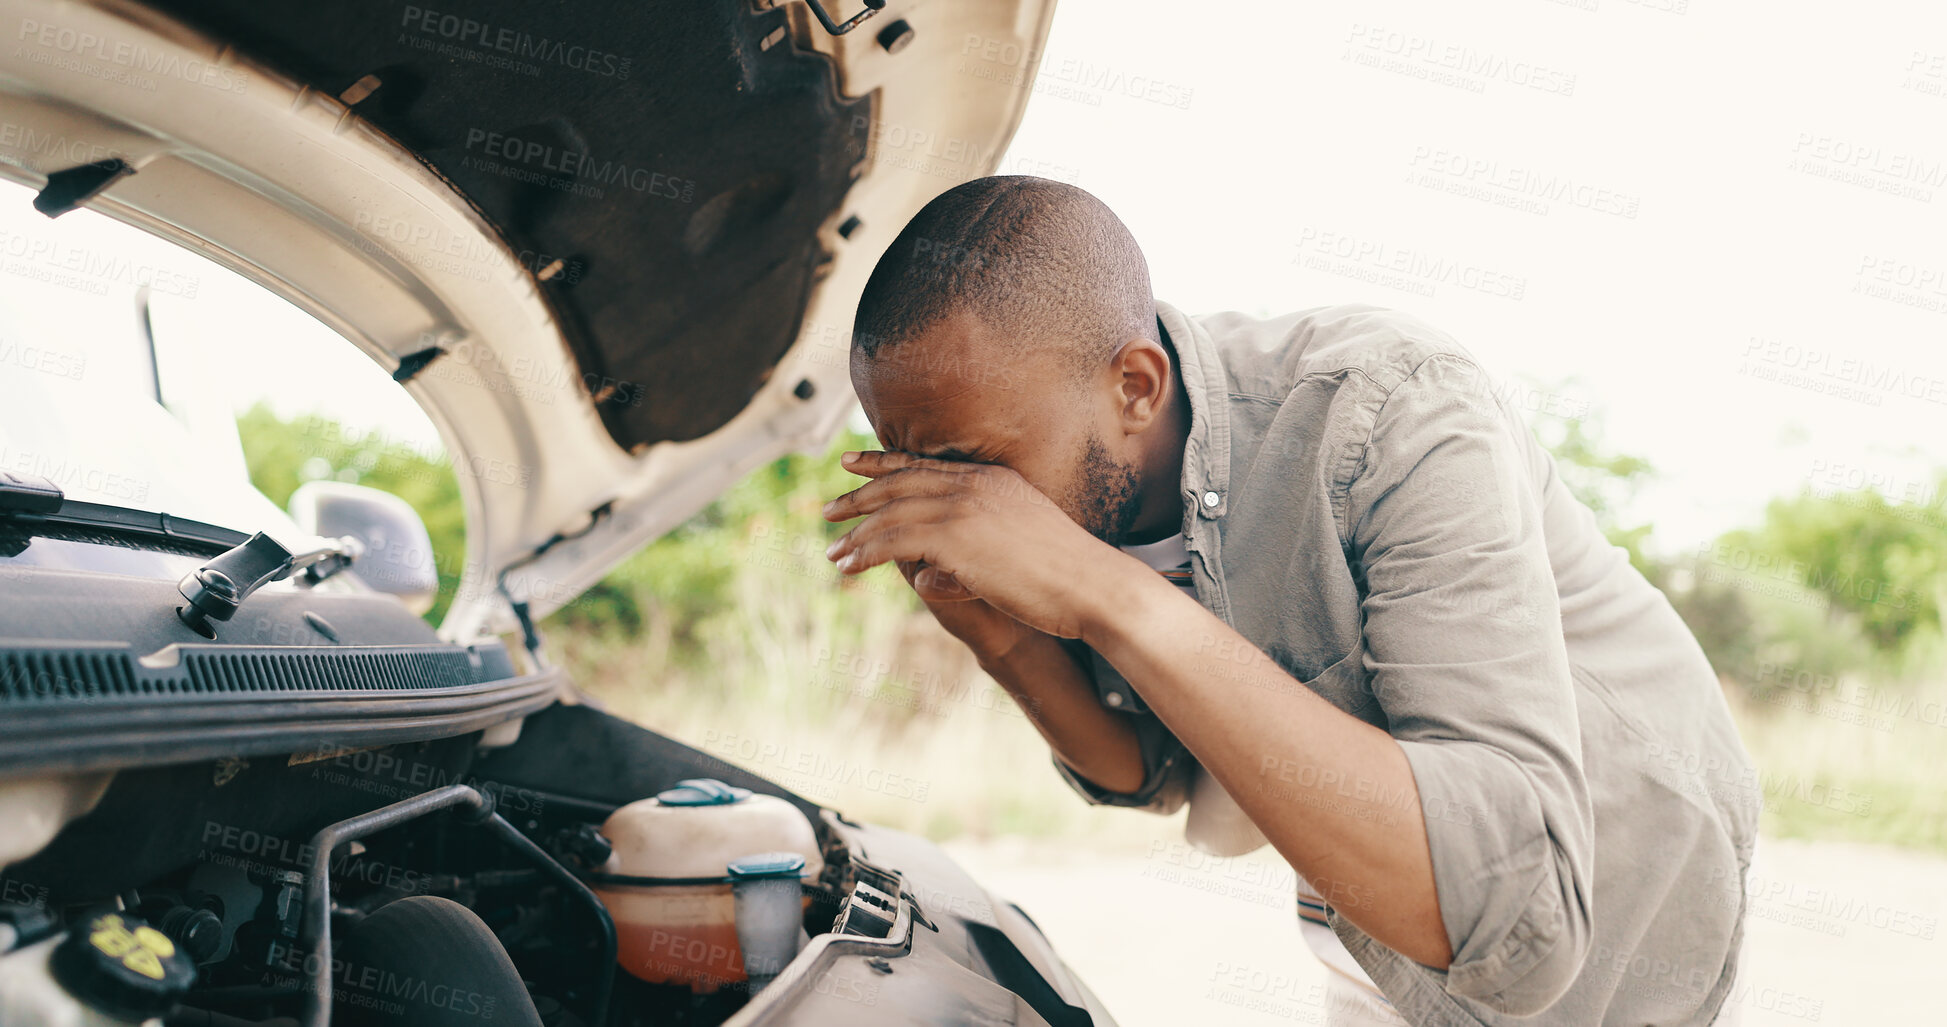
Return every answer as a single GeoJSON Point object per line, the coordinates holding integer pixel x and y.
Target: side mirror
{"type": "Point", "coordinates": [398, 558]}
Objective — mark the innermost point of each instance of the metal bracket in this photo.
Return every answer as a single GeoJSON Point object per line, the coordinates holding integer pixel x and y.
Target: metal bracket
{"type": "Point", "coordinates": [216, 589]}
{"type": "Point", "coordinates": [872, 7]}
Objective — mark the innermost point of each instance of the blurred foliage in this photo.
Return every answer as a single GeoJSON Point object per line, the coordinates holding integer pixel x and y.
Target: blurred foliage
{"type": "Point", "coordinates": [1830, 582]}
{"type": "Point", "coordinates": [1876, 559]}
{"type": "Point", "coordinates": [686, 577]}
{"type": "Point", "coordinates": [1607, 483]}
{"type": "Point", "coordinates": [733, 627]}
{"type": "Point", "coordinates": [284, 454]}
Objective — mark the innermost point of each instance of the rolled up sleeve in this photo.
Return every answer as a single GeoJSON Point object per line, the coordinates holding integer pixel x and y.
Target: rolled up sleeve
{"type": "Point", "coordinates": [1167, 765]}
{"type": "Point", "coordinates": [1465, 656]}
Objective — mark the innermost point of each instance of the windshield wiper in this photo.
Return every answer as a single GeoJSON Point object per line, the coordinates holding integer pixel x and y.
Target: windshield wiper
{"type": "Point", "coordinates": [34, 501]}
{"type": "Point", "coordinates": [214, 590]}
{"type": "Point", "coordinates": [218, 588]}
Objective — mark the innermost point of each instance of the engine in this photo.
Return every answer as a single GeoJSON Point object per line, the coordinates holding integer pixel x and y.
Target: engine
{"type": "Point", "coordinates": [424, 884]}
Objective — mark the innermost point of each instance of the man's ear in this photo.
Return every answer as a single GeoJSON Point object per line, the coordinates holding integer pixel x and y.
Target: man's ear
{"type": "Point", "coordinates": [1141, 369]}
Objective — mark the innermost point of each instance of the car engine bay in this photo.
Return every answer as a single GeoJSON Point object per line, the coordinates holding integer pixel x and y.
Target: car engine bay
{"type": "Point", "coordinates": [228, 798]}
{"type": "Point", "coordinates": [455, 891]}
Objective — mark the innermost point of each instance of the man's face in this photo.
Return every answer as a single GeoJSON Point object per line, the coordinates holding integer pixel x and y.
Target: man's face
{"type": "Point", "coordinates": [959, 393]}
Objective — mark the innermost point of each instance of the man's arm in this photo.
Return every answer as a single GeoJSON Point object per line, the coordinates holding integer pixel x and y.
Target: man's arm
{"type": "Point", "coordinates": [1465, 649]}
{"type": "Point", "coordinates": [1469, 817]}
{"type": "Point", "coordinates": [1041, 674]}
{"type": "Point", "coordinates": [1000, 539]}
{"type": "Point", "coordinates": [1054, 691]}
{"type": "Point", "coordinates": [1332, 794]}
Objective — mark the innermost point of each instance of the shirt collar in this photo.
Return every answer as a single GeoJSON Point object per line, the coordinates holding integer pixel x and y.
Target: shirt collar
{"type": "Point", "coordinates": [1206, 453]}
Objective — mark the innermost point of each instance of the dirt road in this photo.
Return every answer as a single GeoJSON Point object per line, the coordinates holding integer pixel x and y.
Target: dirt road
{"type": "Point", "coordinates": [1838, 934]}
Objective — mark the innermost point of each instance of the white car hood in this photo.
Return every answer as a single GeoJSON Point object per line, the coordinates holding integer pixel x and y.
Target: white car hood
{"type": "Point", "coordinates": [250, 166]}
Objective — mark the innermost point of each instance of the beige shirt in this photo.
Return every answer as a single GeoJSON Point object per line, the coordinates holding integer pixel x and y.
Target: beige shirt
{"type": "Point", "coordinates": [1361, 504]}
{"type": "Point", "coordinates": [1217, 825]}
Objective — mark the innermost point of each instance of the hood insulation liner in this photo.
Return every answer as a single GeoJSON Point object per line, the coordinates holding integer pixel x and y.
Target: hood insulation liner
{"type": "Point", "coordinates": [661, 165]}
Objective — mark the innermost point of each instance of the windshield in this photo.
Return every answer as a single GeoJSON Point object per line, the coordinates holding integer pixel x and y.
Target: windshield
{"type": "Point", "coordinates": [126, 359]}
{"type": "Point", "coordinates": [86, 396]}
{"type": "Point", "coordinates": [125, 363]}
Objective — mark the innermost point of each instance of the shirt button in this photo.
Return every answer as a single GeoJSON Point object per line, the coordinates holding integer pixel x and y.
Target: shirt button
{"type": "Point", "coordinates": [1113, 699]}
{"type": "Point", "coordinates": [1212, 499]}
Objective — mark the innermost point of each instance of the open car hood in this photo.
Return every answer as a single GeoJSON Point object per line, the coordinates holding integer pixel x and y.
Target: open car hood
{"type": "Point", "coordinates": [612, 249]}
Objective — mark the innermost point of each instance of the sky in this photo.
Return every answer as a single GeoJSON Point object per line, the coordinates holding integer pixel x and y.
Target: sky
{"type": "Point", "coordinates": [1717, 229]}
{"type": "Point", "coordinates": [1712, 230]}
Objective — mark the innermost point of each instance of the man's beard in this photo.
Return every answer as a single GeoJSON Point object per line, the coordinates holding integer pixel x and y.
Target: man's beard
{"type": "Point", "coordinates": [1109, 495]}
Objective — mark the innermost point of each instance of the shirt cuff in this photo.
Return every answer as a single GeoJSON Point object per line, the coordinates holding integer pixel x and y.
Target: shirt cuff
{"type": "Point", "coordinates": [1166, 772]}
{"type": "Point", "coordinates": [1514, 907]}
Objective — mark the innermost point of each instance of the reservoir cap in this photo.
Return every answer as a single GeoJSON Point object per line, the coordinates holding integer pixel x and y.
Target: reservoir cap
{"type": "Point", "coordinates": [702, 791]}
{"type": "Point", "coordinates": [768, 864]}
{"type": "Point", "coordinates": [122, 966]}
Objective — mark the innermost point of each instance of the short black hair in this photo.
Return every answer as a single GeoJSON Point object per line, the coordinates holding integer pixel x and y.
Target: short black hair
{"type": "Point", "coordinates": [1044, 262]}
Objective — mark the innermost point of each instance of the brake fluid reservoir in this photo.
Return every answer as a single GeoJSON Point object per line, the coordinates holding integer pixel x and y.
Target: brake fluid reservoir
{"type": "Point", "coordinates": [667, 886]}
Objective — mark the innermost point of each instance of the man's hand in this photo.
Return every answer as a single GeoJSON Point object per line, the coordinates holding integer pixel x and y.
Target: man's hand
{"type": "Point", "coordinates": [917, 507]}
{"type": "Point", "coordinates": [991, 634]}
{"type": "Point", "coordinates": [972, 533]}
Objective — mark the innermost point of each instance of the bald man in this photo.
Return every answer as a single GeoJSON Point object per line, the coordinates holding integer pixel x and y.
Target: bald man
{"type": "Point", "coordinates": [1308, 571]}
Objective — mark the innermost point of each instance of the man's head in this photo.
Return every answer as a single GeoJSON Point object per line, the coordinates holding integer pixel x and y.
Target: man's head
{"type": "Point", "coordinates": [1012, 322]}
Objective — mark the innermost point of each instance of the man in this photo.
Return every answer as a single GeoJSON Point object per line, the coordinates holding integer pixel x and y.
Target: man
{"type": "Point", "coordinates": [1497, 760]}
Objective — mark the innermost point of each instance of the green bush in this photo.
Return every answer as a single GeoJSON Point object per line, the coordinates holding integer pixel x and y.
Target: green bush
{"type": "Point", "coordinates": [1829, 584]}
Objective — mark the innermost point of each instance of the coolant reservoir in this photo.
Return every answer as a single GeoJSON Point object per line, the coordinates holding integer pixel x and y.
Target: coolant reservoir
{"type": "Point", "coordinates": [112, 970]}
{"type": "Point", "coordinates": [667, 883]}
